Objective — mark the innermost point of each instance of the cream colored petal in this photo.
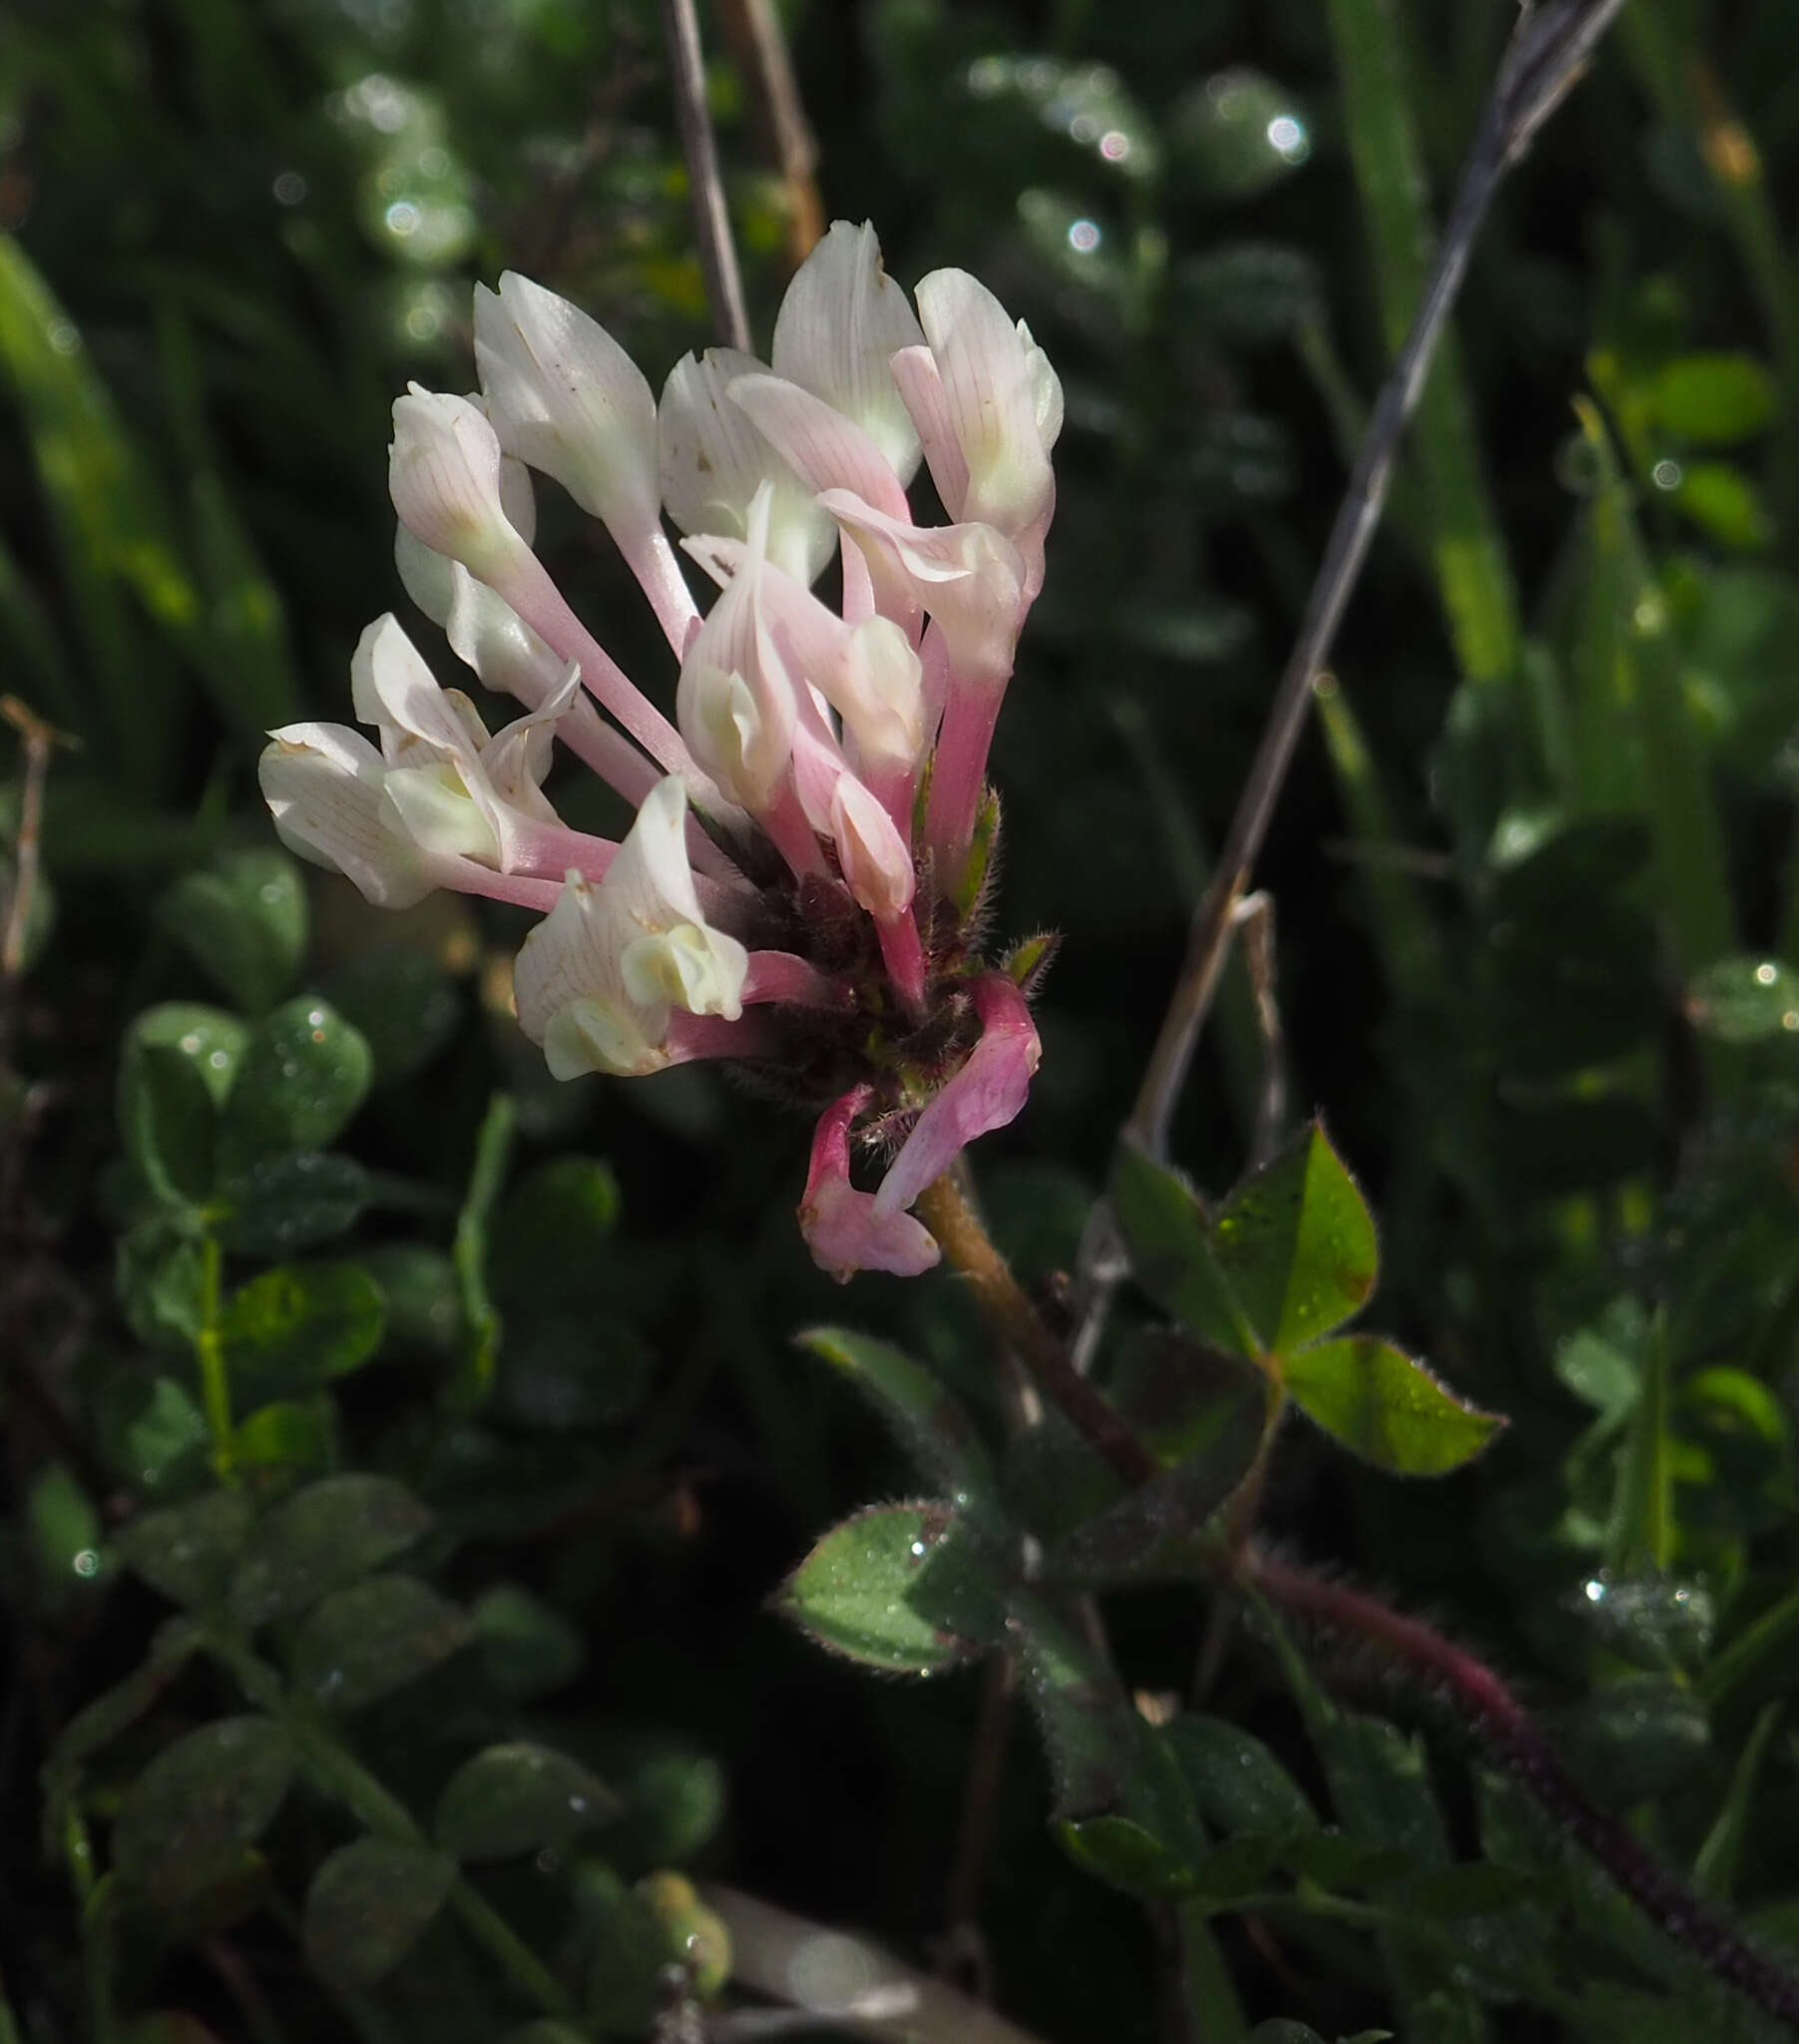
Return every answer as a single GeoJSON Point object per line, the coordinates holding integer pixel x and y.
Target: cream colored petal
{"type": "Point", "coordinates": [592, 1035]}
{"type": "Point", "coordinates": [712, 461]}
{"type": "Point", "coordinates": [323, 785]}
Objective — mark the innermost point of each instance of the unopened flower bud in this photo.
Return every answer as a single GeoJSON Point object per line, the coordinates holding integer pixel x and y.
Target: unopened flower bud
{"type": "Point", "coordinates": [444, 475]}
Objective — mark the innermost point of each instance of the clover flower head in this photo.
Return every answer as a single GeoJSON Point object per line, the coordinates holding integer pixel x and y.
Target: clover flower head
{"type": "Point", "coordinates": [806, 881]}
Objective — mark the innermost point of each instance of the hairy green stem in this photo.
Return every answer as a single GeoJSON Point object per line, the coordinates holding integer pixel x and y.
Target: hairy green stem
{"type": "Point", "coordinates": [481, 1342]}
{"type": "Point", "coordinates": [209, 1352]}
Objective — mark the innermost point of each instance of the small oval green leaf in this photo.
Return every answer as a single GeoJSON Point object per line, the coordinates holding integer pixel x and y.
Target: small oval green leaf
{"type": "Point", "coordinates": [1169, 1234]}
{"type": "Point", "coordinates": [1386, 1408]}
{"type": "Point", "coordinates": [1714, 399]}
{"type": "Point", "coordinates": [187, 1819]}
{"type": "Point", "coordinates": [243, 923]}
{"type": "Point", "coordinates": [188, 1551]}
{"type": "Point", "coordinates": [322, 1539]}
{"type": "Point", "coordinates": [1124, 1854]}
{"type": "Point", "coordinates": [854, 1593]}
{"type": "Point", "coordinates": [516, 1798]}
{"type": "Point", "coordinates": [296, 1326]}
{"type": "Point", "coordinates": [1236, 1784]}
{"type": "Point", "coordinates": [363, 1643]}
{"type": "Point", "coordinates": [927, 1422]}
{"type": "Point", "coordinates": [177, 1066]}
{"type": "Point", "coordinates": [282, 1204]}
{"type": "Point", "coordinates": [305, 1071]}
{"type": "Point", "coordinates": [1296, 1244]}
{"type": "Point", "coordinates": [370, 1903]}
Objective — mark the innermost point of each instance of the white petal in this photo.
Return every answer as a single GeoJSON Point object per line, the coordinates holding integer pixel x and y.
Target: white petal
{"type": "Point", "coordinates": [737, 699]}
{"type": "Point", "coordinates": [428, 578]}
{"type": "Point", "coordinates": [712, 461]}
{"type": "Point", "coordinates": [921, 385]}
{"type": "Point", "coordinates": [391, 685]}
{"type": "Point", "coordinates": [650, 879]}
{"type": "Point", "coordinates": [567, 398]}
{"type": "Point", "coordinates": [573, 955]}
{"type": "Point", "coordinates": [969, 577]}
{"type": "Point", "coordinates": [992, 399]}
{"type": "Point", "coordinates": [842, 319]}
{"type": "Point", "coordinates": [879, 691]}
{"type": "Point", "coordinates": [323, 785]}
{"type": "Point", "coordinates": [826, 450]}
{"type": "Point", "coordinates": [517, 757]}
{"type": "Point", "coordinates": [1046, 390]}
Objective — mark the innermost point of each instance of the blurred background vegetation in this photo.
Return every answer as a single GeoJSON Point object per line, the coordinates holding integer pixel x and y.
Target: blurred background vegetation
{"type": "Point", "coordinates": [1534, 875]}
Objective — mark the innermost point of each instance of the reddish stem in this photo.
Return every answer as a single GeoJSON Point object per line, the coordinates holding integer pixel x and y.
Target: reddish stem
{"type": "Point", "coordinates": [1497, 1717]}
{"type": "Point", "coordinates": [1493, 1713]}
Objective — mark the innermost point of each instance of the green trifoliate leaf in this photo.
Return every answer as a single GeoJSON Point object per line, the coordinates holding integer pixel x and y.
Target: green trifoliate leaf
{"type": "Point", "coordinates": [869, 1590]}
{"type": "Point", "coordinates": [296, 1326]}
{"type": "Point", "coordinates": [1386, 1408]}
{"type": "Point", "coordinates": [1169, 1234]}
{"type": "Point", "coordinates": [305, 1073]}
{"type": "Point", "coordinates": [516, 1798]}
{"type": "Point", "coordinates": [186, 1821]}
{"type": "Point", "coordinates": [243, 923]}
{"type": "Point", "coordinates": [188, 1551]}
{"type": "Point", "coordinates": [369, 1904]}
{"type": "Point", "coordinates": [362, 1644]}
{"type": "Point", "coordinates": [322, 1539]}
{"type": "Point", "coordinates": [1297, 1245]}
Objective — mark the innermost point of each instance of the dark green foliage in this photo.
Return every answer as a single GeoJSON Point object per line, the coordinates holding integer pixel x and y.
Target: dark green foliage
{"type": "Point", "coordinates": [456, 1411]}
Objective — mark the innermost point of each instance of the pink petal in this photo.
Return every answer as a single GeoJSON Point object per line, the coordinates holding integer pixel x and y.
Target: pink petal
{"type": "Point", "coordinates": [986, 1094]}
{"type": "Point", "coordinates": [842, 1226]}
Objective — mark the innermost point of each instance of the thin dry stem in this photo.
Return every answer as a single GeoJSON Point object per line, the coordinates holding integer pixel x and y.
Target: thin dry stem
{"type": "Point", "coordinates": [753, 28]}
{"type": "Point", "coordinates": [711, 219]}
{"type": "Point", "coordinates": [1548, 53]}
